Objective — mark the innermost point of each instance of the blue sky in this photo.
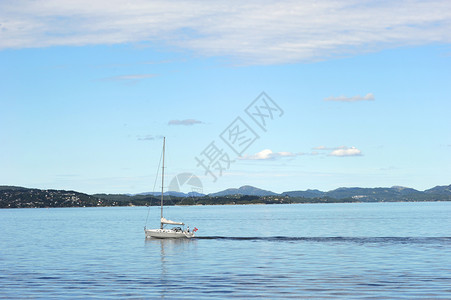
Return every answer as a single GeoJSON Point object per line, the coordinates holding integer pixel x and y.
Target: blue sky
{"type": "Point", "coordinates": [87, 90]}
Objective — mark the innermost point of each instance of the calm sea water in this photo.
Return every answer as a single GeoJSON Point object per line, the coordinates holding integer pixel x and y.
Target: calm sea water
{"type": "Point", "coordinates": [380, 250]}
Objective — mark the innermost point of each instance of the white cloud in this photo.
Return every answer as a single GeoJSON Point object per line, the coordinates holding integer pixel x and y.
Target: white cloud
{"type": "Point", "coordinates": [187, 122]}
{"type": "Point", "coordinates": [338, 151]}
{"type": "Point", "coordinates": [252, 32]}
{"type": "Point", "coordinates": [320, 148]}
{"type": "Point", "coordinates": [345, 151]}
{"type": "Point", "coordinates": [367, 97]}
{"type": "Point", "coordinates": [267, 154]}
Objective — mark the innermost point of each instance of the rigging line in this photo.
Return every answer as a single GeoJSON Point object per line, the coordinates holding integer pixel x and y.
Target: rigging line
{"type": "Point", "coordinates": [154, 184]}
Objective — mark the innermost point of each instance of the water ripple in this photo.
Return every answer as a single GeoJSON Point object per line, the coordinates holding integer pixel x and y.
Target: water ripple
{"type": "Point", "coordinates": [360, 240]}
{"type": "Point", "coordinates": [380, 251]}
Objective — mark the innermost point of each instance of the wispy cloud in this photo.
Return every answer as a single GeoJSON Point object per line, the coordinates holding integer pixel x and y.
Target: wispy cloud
{"type": "Point", "coordinates": [253, 32]}
{"type": "Point", "coordinates": [268, 154]}
{"type": "Point", "coordinates": [321, 148]}
{"type": "Point", "coordinates": [187, 122]}
{"type": "Point", "coordinates": [149, 137]}
{"type": "Point", "coordinates": [367, 97]}
{"type": "Point", "coordinates": [346, 151]}
{"type": "Point", "coordinates": [389, 168]}
{"type": "Point", "coordinates": [129, 78]}
{"type": "Point", "coordinates": [338, 151]}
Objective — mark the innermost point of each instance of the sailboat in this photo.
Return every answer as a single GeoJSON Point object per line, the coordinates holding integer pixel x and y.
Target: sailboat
{"type": "Point", "coordinates": [163, 232]}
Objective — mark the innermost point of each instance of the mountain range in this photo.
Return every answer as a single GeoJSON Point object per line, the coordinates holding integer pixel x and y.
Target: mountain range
{"type": "Point", "coordinates": [12, 196]}
{"type": "Point", "coordinates": [377, 193]}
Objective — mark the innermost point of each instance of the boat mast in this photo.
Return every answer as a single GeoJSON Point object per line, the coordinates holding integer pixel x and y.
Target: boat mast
{"type": "Point", "coordinates": [162, 185]}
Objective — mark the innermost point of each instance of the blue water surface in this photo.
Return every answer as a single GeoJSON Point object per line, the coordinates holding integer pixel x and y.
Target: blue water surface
{"type": "Point", "coordinates": [358, 250]}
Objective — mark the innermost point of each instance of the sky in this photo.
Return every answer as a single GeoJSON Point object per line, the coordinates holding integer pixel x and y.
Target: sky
{"type": "Point", "coordinates": [281, 95]}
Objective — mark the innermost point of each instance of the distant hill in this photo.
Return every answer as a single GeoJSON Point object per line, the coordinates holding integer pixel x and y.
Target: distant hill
{"type": "Point", "coordinates": [373, 194]}
{"type": "Point", "coordinates": [20, 197]}
{"type": "Point", "coordinates": [195, 194]}
{"type": "Point", "coordinates": [404, 190]}
{"type": "Point", "coordinates": [146, 194]}
{"type": "Point", "coordinates": [395, 193]}
{"type": "Point", "coordinates": [379, 194]}
{"type": "Point", "coordinates": [246, 190]}
{"type": "Point", "coordinates": [170, 193]}
{"type": "Point", "coordinates": [440, 190]}
{"type": "Point", "coordinates": [10, 187]}
{"type": "Point", "coordinates": [305, 194]}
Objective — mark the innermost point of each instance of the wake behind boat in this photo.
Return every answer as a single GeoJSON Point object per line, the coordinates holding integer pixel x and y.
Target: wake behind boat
{"type": "Point", "coordinates": [163, 232]}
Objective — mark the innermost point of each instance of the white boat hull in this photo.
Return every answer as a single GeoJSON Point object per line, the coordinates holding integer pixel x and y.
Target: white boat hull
{"type": "Point", "coordinates": [168, 234]}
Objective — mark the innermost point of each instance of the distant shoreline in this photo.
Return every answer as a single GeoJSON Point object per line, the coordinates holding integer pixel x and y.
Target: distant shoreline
{"type": "Point", "coordinates": [243, 204]}
{"type": "Point", "coordinates": [18, 197]}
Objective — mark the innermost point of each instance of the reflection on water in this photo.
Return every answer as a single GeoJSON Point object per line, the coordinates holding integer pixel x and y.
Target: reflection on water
{"type": "Point", "coordinates": [383, 250]}
{"type": "Point", "coordinates": [172, 255]}
{"type": "Point", "coordinates": [170, 246]}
